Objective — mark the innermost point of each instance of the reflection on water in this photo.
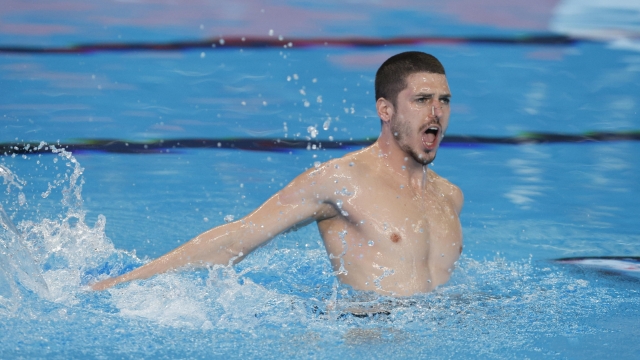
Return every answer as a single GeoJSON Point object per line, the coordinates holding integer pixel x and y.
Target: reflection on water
{"type": "Point", "coordinates": [529, 172]}
{"type": "Point", "coordinates": [613, 19]}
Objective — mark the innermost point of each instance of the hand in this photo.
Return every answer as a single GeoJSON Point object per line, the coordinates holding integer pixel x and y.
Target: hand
{"type": "Point", "coordinates": [104, 284]}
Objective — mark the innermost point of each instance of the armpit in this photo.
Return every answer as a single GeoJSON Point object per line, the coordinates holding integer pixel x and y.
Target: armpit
{"type": "Point", "coordinates": [325, 211]}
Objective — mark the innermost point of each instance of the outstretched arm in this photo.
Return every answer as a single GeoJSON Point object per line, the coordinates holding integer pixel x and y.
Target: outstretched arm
{"type": "Point", "coordinates": [303, 200]}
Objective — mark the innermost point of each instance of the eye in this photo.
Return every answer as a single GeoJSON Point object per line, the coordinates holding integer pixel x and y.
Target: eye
{"type": "Point", "coordinates": [445, 101]}
{"type": "Point", "coordinates": [423, 99]}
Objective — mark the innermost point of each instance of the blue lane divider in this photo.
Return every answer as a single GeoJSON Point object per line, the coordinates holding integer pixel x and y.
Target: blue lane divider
{"type": "Point", "coordinates": [286, 145]}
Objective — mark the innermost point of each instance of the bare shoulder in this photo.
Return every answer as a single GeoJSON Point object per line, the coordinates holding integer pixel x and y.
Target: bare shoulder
{"type": "Point", "coordinates": [324, 181]}
{"type": "Point", "coordinates": [350, 165]}
{"type": "Point", "coordinates": [452, 191]}
{"type": "Point", "coordinates": [356, 162]}
{"type": "Point", "coordinates": [320, 181]}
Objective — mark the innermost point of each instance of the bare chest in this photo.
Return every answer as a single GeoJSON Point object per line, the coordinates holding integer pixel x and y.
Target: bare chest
{"type": "Point", "coordinates": [398, 224]}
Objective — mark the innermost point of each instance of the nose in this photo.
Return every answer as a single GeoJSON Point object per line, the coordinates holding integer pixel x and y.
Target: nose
{"type": "Point", "coordinates": [436, 110]}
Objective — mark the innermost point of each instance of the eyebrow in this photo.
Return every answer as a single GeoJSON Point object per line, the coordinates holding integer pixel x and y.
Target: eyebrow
{"type": "Point", "coordinates": [431, 94]}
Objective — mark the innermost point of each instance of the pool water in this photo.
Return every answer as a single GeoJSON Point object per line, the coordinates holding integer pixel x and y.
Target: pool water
{"type": "Point", "coordinates": [87, 214]}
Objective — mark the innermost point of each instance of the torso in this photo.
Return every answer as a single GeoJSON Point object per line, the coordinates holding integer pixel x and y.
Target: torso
{"type": "Point", "coordinates": [387, 235]}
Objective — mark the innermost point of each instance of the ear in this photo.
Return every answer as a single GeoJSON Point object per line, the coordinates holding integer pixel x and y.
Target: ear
{"type": "Point", "coordinates": [385, 109]}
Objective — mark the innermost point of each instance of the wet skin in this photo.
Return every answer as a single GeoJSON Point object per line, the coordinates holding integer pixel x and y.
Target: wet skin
{"type": "Point", "coordinates": [386, 226]}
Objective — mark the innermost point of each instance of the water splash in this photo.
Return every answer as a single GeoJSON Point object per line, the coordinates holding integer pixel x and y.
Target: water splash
{"type": "Point", "coordinates": [345, 247]}
{"type": "Point", "coordinates": [52, 257]}
{"type": "Point", "coordinates": [17, 267]}
{"type": "Point", "coordinates": [10, 179]}
{"type": "Point", "coordinates": [6, 222]}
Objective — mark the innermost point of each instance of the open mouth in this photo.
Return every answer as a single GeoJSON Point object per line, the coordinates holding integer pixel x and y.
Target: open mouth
{"type": "Point", "coordinates": [430, 137]}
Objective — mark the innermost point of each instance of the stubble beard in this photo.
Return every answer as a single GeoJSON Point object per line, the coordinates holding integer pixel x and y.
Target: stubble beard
{"type": "Point", "coordinates": [401, 130]}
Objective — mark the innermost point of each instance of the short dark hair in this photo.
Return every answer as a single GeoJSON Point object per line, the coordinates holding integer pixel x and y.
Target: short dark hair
{"type": "Point", "coordinates": [392, 74]}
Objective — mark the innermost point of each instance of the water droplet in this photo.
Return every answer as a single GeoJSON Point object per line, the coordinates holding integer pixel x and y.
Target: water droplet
{"type": "Point", "coordinates": [345, 192]}
{"type": "Point", "coordinates": [313, 132]}
{"type": "Point", "coordinates": [228, 218]}
{"type": "Point", "coordinates": [317, 164]}
{"type": "Point", "coordinates": [370, 243]}
{"type": "Point", "coordinates": [270, 32]}
{"type": "Point", "coordinates": [351, 163]}
{"type": "Point", "coordinates": [326, 124]}
{"type": "Point", "coordinates": [339, 203]}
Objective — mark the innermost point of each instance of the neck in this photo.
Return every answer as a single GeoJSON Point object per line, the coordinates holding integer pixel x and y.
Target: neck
{"type": "Point", "coordinates": [392, 156]}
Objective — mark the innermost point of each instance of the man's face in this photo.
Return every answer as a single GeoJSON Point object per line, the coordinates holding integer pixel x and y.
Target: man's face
{"type": "Point", "coordinates": [421, 115]}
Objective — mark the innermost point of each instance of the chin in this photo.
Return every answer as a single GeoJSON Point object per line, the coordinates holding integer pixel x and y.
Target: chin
{"type": "Point", "coordinates": [425, 158]}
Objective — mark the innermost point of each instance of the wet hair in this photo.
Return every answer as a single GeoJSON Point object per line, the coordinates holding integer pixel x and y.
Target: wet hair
{"type": "Point", "coordinates": [391, 77]}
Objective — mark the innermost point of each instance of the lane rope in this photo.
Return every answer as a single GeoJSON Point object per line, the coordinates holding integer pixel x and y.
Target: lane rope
{"type": "Point", "coordinates": [286, 145]}
{"type": "Point", "coordinates": [296, 43]}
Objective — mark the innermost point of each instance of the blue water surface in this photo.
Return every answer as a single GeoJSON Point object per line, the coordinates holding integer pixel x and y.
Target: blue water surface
{"type": "Point", "coordinates": [86, 215]}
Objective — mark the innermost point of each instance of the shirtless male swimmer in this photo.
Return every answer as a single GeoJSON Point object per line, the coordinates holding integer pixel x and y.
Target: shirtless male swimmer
{"type": "Point", "coordinates": [389, 225]}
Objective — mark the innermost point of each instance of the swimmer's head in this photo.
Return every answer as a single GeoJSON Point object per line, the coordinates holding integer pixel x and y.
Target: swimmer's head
{"type": "Point", "coordinates": [391, 77]}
